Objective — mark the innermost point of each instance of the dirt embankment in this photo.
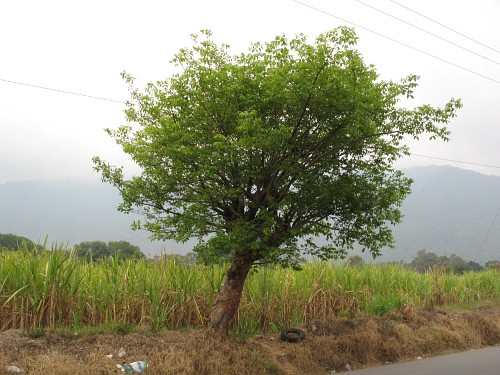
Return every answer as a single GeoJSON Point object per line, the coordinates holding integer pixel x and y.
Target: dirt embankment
{"type": "Point", "coordinates": [328, 346]}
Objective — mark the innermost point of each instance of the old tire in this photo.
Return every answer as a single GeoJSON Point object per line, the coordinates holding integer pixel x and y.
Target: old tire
{"type": "Point", "coordinates": [292, 335]}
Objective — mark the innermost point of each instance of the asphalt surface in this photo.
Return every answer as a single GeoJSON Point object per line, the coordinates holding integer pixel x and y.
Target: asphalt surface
{"type": "Point", "coordinates": [474, 362]}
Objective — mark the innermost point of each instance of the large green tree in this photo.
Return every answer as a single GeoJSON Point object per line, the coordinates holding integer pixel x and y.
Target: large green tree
{"type": "Point", "coordinates": [258, 154]}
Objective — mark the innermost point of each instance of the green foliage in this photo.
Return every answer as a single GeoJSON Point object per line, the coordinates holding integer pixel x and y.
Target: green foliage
{"type": "Point", "coordinates": [493, 265]}
{"type": "Point", "coordinates": [474, 266]}
{"type": "Point", "coordinates": [125, 250]}
{"type": "Point", "coordinates": [355, 261]}
{"type": "Point", "coordinates": [98, 250]}
{"type": "Point", "coordinates": [381, 305]}
{"type": "Point", "coordinates": [252, 153]}
{"type": "Point", "coordinates": [458, 265]}
{"type": "Point", "coordinates": [93, 250]}
{"type": "Point", "coordinates": [121, 328]}
{"type": "Point", "coordinates": [15, 242]}
{"type": "Point", "coordinates": [425, 261]}
{"type": "Point", "coordinates": [189, 259]}
{"type": "Point", "coordinates": [36, 333]}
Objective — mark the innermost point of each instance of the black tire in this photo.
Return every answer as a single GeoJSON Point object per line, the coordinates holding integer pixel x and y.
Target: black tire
{"type": "Point", "coordinates": [292, 335]}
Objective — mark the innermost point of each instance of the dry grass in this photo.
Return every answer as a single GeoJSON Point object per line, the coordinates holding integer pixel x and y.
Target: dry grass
{"type": "Point", "coordinates": [361, 342]}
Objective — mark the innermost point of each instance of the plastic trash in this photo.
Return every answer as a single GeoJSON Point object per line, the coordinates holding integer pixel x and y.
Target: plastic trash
{"type": "Point", "coordinates": [13, 369]}
{"type": "Point", "coordinates": [122, 353]}
{"type": "Point", "coordinates": [133, 367]}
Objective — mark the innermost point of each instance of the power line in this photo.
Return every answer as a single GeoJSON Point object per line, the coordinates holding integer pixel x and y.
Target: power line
{"type": "Point", "coordinates": [397, 41]}
{"type": "Point", "coordinates": [446, 27]}
{"type": "Point", "coordinates": [488, 233]}
{"type": "Point", "coordinates": [62, 91]}
{"type": "Point", "coordinates": [427, 32]}
{"type": "Point", "coordinates": [456, 161]}
{"type": "Point", "coordinates": [477, 164]}
{"type": "Point", "coordinates": [119, 101]}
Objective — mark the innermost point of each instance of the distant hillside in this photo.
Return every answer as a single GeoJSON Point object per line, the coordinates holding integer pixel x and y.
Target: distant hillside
{"type": "Point", "coordinates": [449, 211]}
{"type": "Point", "coordinates": [71, 212]}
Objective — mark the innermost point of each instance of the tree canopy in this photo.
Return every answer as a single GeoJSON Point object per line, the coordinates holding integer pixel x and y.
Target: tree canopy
{"type": "Point", "coordinates": [260, 153]}
{"type": "Point", "coordinates": [425, 261]}
{"type": "Point", "coordinates": [15, 242]}
{"type": "Point", "coordinates": [98, 250]}
{"type": "Point", "coordinates": [493, 264]}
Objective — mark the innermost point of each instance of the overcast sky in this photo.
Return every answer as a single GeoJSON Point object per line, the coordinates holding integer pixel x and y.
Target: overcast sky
{"type": "Point", "coordinates": [82, 46]}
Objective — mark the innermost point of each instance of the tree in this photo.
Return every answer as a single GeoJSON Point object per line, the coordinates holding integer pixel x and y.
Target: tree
{"type": "Point", "coordinates": [427, 260]}
{"type": "Point", "coordinates": [93, 250]}
{"type": "Point", "coordinates": [474, 266]}
{"type": "Point", "coordinates": [98, 250]}
{"type": "Point", "coordinates": [125, 250]}
{"type": "Point", "coordinates": [355, 261]}
{"type": "Point", "coordinates": [15, 242]}
{"type": "Point", "coordinates": [458, 265]}
{"type": "Point", "coordinates": [258, 154]}
{"type": "Point", "coordinates": [492, 265]}
{"type": "Point", "coordinates": [189, 259]}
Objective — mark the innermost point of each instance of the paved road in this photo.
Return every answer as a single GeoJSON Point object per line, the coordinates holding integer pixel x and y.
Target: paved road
{"type": "Point", "coordinates": [474, 362]}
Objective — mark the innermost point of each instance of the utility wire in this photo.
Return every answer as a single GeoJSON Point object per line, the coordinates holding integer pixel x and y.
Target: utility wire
{"type": "Point", "coordinates": [456, 161]}
{"type": "Point", "coordinates": [397, 41]}
{"type": "Point", "coordinates": [119, 101]}
{"type": "Point", "coordinates": [482, 165]}
{"type": "Point", "coordinates": [488, 233]}
{"type": "Point", "coordinates": [62, 91]}
{"type": "Point", "coordinates": [446, 27]}
{"type": "Point", "coordinates": [427, 32]}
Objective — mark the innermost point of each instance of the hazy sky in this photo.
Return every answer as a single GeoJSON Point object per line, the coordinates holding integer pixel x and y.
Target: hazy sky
{"type": "Point", "coordinates": [82, 46]}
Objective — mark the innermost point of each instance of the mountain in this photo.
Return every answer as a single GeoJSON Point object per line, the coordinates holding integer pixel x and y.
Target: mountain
{"type": "Point", "coordinates": [70, 212]}
{"type": "Point", "coordinates": [450, 210]}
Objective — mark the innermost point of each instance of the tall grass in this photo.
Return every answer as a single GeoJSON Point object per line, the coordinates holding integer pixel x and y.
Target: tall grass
{"type": "Point", "coordinates": [55, 289]}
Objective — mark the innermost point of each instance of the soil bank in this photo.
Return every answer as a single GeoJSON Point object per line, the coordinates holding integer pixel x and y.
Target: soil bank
{"type": "Point", "coordinates": [328, 346]}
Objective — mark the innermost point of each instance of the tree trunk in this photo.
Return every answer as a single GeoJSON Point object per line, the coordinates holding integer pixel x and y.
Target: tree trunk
{"type": "Point", "coordinates": [227, 301]}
